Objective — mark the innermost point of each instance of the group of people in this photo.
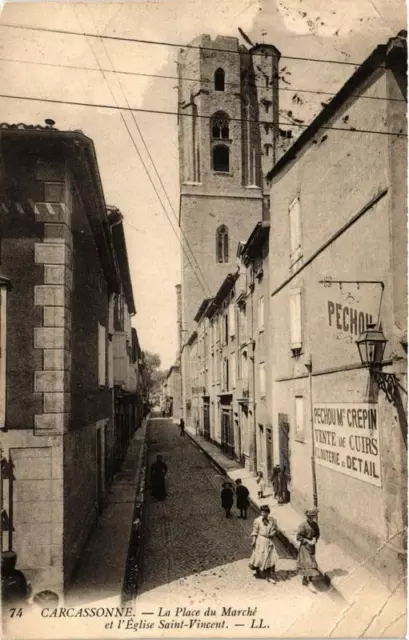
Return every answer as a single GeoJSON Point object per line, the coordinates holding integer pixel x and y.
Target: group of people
{"type": "Point", "coordinates": [242, 498]}
{"type": "Point", "coordinates": [280, 480]}
{"type": "Point", "coordinates": [264, 558]}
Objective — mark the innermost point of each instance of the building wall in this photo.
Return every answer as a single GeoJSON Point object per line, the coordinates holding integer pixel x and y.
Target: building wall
{"type": "Point", "coordinates": [36, 254]}
{"type": "Point", "coordinates": [91, 402]}
{"type": "Point", "coordinates": [201, 216]}
{"type": "Point", "coordinates": [354, 511]}
{"type": "Point", "coordinates": [37, 506]}
{"type": "Point", "coordinates": [54, 403]}
{"type": "Point", "coordinates": [262, 336]}
{"type": "Point", "coordinates": [174, 390]}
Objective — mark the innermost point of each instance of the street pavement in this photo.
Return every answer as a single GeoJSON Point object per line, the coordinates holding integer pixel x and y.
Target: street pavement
{"type": "Point", "coordinates": [195, 557]}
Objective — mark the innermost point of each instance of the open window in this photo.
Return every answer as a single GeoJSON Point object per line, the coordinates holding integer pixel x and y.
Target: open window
{"type": "Point", "coordinates": [219, 79]}
{"type": "Point", "coordinates": [221, 158]}
{"type": "Point", "coordinates": [220, 126]}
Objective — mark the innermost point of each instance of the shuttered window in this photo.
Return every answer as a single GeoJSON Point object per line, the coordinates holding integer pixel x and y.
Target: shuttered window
{"type": "Point", "coordinates": [299, 418]}
{"type": "Point", "coordinates": [294, 212]}
{"type": "Point", "coordinates": [261, 313]}
{"type": "Point", "coordinates": [102, 350]}
{"type": "Point", "coordinates": [233, 367]}
{"type": "Point", "coordinates": [232, 320]}
{"type": "Point", "coordinates": [262, 379]}
{"type": "Point", "coordinates": [296, 319]}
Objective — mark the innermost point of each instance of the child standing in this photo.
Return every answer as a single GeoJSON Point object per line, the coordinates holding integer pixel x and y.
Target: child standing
{"type": "Point", "coordinates": [261, 484]}
{"type": "Point", "coordinates": [182, 427]}
{"type": "Point", "coordinates": [227, 498]}
{"type": "Point", "coordinates": [242, 498]}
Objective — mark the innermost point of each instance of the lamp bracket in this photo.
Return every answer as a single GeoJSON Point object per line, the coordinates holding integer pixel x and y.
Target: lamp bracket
{"type": "Point", "coordinates": [388, 383]}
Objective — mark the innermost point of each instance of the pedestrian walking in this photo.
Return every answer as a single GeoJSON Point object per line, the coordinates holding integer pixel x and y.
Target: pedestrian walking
{"type": "Point", "coordinates": [308, 534]}
{"type": "Point", "coordinates": [275, 480]}
{"type": "Point", "coordinates": [159, 470]}
{"type": "Point", "coordinates": [227, 497]}
{"type": "Point", "coordinates": [283, 483]}
{"type": "Point", "coordinates": [182, 427]}
{"type": "Point", "coordinates": [264, 558]}
{"type": "Point", "coordinates": [242, 498]}
{"type": "Point", "coordinates": [261, 484]}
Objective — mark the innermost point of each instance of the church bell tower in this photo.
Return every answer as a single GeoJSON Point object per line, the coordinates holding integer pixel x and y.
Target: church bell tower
{"type": "Point", "coordinates": [228, 127]}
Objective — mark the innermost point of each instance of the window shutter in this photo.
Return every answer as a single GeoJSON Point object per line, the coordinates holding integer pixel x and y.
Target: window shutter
{"type": "Point", "coordinates": [295, 227]}
{"type": "Point", "coordinates": [299, 417]}
{"type": "Point", "coordinates": [232, 324]}
{"type": "Point", "coordinates": [101, 355]}
{"type": "Point", "coordinates": [295, 320]}
{"type": "Point", "coordinates": [233, 371]}
{"type": "Point", "coordinates": [262, 379]}
{"type": "Point", "coordinates": [261, 313]}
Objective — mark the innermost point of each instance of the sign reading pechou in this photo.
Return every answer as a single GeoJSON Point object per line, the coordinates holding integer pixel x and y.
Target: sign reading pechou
{"type": "Point", "coordinates": [346, 439]}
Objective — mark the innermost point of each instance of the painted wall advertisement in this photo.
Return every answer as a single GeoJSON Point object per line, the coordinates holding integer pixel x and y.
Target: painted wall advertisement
{"type": "Point", "coordinates": [346, 439]}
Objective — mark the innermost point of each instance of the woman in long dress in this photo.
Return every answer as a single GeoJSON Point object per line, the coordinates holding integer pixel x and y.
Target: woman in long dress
{"type": "Point", "coordinates": [264, 558]}
{"type": "Point", "coordinates": [158, 473]}
{"type": "Point", "coordinates": [308, 534]}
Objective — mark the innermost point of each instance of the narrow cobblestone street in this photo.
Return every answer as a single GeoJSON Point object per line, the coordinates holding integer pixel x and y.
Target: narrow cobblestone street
{"type": "Point", "coordinates": [195, 557]}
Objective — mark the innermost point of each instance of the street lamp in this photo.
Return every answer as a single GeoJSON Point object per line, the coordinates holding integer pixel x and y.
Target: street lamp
{"type": "Point", "coordinates": [371, 346]}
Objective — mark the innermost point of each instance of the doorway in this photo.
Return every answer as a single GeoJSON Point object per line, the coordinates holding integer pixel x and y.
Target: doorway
{"type": "Point", "coordinates": [227, 432]}
{"type": "Point", "coordinates": [206, 419]}
{"type": "Point", "coordinates": [284, 441]}
{"type": "Point", "coordinates": [269, 447]}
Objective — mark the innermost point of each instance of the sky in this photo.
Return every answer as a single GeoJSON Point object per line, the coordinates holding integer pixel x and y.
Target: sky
{"type": "Point", "coordinates": [336, 30]}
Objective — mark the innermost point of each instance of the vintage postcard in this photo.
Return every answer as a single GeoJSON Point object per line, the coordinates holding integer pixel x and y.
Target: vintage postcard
{"type": "Point", "coordinates": [203, 319]}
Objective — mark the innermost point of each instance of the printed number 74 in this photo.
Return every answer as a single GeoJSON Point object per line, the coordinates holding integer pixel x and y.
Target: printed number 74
{"type": "Point", "coordinates": [16, 613]}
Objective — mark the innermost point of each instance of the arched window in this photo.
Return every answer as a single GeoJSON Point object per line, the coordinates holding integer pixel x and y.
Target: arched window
{"type": "Point", "coordinates": [222, 244]}
{"type": "Point", "coordinates": [221, 158]}
{"type": "Point", "coordinates": [220, 126]}
{"type": "Point", "coordinates": [219, 80]}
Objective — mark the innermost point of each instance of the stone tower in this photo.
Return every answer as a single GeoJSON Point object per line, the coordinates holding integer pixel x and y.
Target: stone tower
{"type": "Point", "coordinates": [227, 118]}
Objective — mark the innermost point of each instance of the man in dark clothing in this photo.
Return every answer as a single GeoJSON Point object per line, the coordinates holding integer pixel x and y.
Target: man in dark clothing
{"type": "Point", "coordinates": [182, 427]}
{"type": "Point", "coordinates": [242, 494]}
{"type": "Point", "coordinates": [227, 498]}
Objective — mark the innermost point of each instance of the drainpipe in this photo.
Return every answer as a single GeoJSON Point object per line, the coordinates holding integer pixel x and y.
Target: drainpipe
{"type": "Point", "coordinates": [252, 357]}
{"type": "Point", "coordinates": [308, 366]}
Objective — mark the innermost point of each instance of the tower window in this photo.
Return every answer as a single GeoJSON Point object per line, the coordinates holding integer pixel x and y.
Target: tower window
{"type": "Point", "coordinates": [219, 80]}
{"type": "Point", "coordinates": [220, 126]}
{"type": "Point", "coordinates": [222, 244]}
{"type": "Point", "coordinates": [221, 158]}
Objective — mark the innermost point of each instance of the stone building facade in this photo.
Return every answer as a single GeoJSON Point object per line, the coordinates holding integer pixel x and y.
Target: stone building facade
{"type": "Point", "coordinates": [229, 368]}
{"type": "Point", "coordinates": [338, 264]}
{"type": "Point", "coordinates": [58, 425]}
{"type": "Point", "coordinates": [228, 115]}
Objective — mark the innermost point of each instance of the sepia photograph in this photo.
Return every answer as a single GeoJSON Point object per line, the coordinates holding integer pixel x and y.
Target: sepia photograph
{"type": "Point", "coordinates": [203, 319]}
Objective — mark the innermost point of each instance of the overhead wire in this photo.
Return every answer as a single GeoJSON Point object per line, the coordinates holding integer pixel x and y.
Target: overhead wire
{"type": "Point", "coordinates": [115, 107]}
{"type": "Point", "coordinates": [144, 165]}
{"type": "Point", "coordinates": [150, 158]}
{"type": "Point", "coordinates": [294, 90]}
{"type": "Point", "coordinates": [163, 43]}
